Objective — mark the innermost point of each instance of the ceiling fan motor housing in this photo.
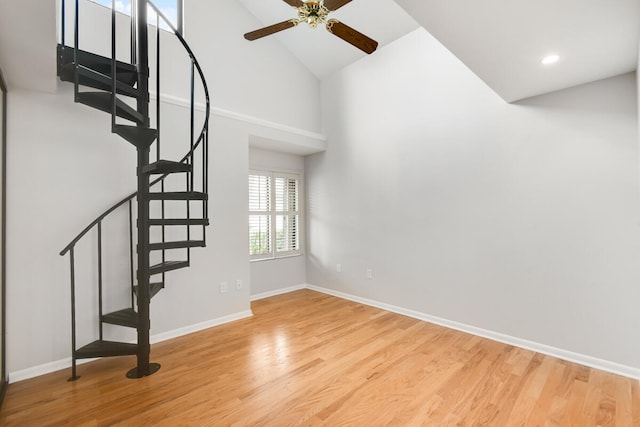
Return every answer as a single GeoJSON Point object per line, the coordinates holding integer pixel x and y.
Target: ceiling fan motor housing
{"type": "Point", "coordinates": [313, 13]}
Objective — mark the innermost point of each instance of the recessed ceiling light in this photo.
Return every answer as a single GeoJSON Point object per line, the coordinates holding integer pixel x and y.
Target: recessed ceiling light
{"type": "Point", "coordinates": [550, 59]}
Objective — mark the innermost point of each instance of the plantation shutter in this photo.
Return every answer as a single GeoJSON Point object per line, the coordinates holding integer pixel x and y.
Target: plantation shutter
{"type": "Point", "coordinates": [274, 215]}
{"type": "Point", "coordinates": [287, 215]}
{"type": "Point", "coordinates": [260, 242]}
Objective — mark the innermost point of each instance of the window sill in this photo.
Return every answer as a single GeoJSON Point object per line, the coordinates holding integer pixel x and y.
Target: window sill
{"type": "Point", "coordinates": [275, 258]}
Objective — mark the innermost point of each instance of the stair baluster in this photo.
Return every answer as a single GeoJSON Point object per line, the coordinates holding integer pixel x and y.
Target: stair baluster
{"type": "Point", "coordinates": [100, 311]}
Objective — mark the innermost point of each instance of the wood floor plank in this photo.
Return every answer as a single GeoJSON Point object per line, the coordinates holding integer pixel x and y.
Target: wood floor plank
{"type": "Point", "coordinates": [635, 408]}
{"type": "Point", "coordinates": [311, 359]}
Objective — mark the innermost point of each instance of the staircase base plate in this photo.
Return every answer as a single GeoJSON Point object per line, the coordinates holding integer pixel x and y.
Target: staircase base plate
{"type": "Point", "coordinates": [133, 373]}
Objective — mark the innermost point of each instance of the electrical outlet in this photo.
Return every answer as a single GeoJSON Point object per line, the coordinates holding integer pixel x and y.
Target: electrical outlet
{"type": "Point", "coordinates": [224, 287]}
{"type": "Point", "coordinates": [369, 274]}
{"type": "Point", "coordinates": [339, 268]}
{"type": "Point", "coordinates": [238, 284]}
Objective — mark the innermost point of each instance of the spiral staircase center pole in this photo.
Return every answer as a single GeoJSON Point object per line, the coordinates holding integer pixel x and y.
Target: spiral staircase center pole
{"type": "Point", "coordinates": [143, 367]}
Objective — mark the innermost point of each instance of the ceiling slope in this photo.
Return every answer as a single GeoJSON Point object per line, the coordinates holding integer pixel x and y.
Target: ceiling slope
{"type": "Point", "coordinates": [503, 41]}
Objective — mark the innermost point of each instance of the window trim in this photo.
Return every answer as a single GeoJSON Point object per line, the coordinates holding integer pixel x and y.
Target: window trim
{"type": "Point", "coordinates": [272, 213]}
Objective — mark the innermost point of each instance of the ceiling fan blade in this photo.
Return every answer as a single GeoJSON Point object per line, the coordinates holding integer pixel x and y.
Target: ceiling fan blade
{"type": "Point", "coordinates": [294, 3]}
{"type": "Point", "coordinates": [352, 36]}
{"type": "Point", "coordinates": [267, 31]}
{"type": "Point", "coordinates": [334, 4]}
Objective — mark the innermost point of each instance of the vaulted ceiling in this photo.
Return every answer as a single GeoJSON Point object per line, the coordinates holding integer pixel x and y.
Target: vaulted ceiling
{"type": "Point", "coordinates": [501, 41]}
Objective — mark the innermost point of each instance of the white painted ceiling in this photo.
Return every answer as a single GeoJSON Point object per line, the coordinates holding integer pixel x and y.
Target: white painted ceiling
{"type": "Point", "coordinates": [501, 41]}
{"type": "Point", "coordinates": [320, 51]}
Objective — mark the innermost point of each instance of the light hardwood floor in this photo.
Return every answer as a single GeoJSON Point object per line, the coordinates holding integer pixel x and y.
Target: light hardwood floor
{"type": "Point", "coordinates": [306, 358]}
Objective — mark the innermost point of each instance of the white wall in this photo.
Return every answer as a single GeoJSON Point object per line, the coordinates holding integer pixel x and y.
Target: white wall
{"type": "Point", "coordinates": [59, 178]}
{"type": "Point", "coordinates": [270, 276]}
{"type": "Point", "coordinates": [259, 79]}
{"type": "Point", "coordinates": [27, 30]}
{"type": "Point", "coordinates": [65, 168]}
{"type": "Point", "coordinates": [520, 219]}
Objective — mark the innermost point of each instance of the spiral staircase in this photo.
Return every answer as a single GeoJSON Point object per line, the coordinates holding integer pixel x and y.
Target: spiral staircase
{"type": "Point", "coordinates": [121, 89]}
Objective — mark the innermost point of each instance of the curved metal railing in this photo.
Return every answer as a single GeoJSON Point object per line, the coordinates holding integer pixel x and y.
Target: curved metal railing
{"type": "Point", "coordinates": [202, 139]}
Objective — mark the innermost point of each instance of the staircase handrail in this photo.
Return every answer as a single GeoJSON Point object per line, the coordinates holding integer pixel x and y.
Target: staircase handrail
{"type": "Point", "coordinates": [199, 140]}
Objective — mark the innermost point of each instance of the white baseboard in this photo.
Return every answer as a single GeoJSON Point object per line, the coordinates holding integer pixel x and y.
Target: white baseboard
{"type": "Point", "coordinates": [264, 295]}
{"type": "Point", "coordinates": [175, 333]}
{"type": "Point", "coordinates": [569, 356]}
{"type": "Point", "coordinates": [47, 368]}
{"type": "Point", "coordinates": [593, 362]}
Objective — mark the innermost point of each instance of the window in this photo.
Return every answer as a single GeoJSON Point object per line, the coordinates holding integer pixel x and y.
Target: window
{"type": "Point", "coordinates": [168, 7]}
{"type": "Point", "coordinates": [274, 215]}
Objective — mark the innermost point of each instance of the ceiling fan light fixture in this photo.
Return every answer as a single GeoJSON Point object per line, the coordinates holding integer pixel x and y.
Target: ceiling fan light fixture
{"type": "Point", "coordinates": [313, 13]}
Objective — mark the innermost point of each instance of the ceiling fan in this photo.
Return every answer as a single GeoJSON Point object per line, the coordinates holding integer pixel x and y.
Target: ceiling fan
{"type": "Point", "coordinates": [314, 13]}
